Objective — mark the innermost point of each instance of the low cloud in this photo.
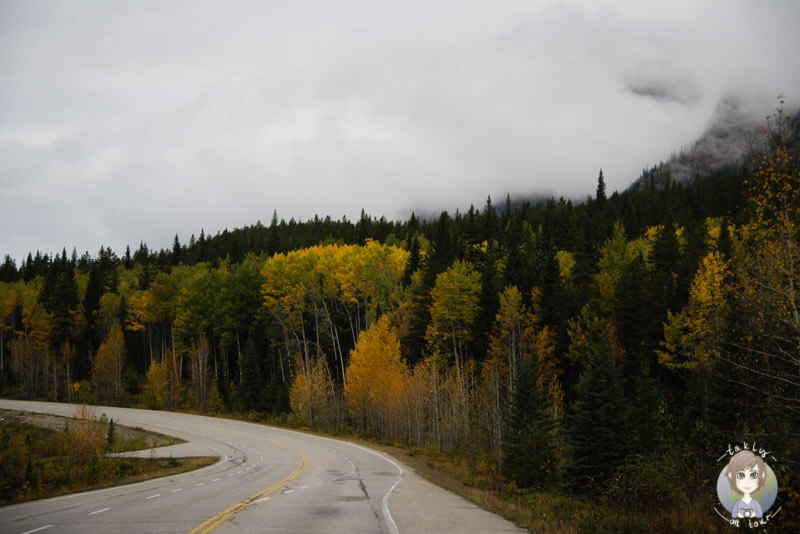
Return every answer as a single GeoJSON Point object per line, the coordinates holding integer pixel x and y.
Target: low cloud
{"type": "Point", "coordinates": [131, 122]}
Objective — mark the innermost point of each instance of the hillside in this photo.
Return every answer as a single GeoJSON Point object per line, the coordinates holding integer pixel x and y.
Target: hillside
{"type": "Point", "coordinates": [726, 143]}
{"type": "Point", "coordinates": [542, 347]}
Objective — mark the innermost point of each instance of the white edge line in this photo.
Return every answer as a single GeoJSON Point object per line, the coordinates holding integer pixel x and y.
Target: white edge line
{"type": "Point", "coordinates": [386, 514]}
{"type": "Point", "coordinates": [37, 529]}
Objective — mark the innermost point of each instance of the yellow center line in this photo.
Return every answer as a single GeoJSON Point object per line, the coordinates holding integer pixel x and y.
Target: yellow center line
{"type": "Point", "coordinates": [213, 522]}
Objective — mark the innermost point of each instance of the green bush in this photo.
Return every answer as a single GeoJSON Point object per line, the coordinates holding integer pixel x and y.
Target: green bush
{"type": "Point", "coordinates": [644, 482]}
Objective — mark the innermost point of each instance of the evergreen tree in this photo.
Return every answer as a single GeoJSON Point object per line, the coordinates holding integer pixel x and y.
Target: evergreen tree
{"type": "Point", "coordinates": [600, 195]}
{"type": "Point", "coordinates": [177, 255]}
{"type": "Point", "coordinates": [250, 382]}
{"type": "Point", "coordinates": [8, 271]}
{"type": "Point", "coordinates": [489, 300]}
{"type": "Point", "coordinates": [489, 220]}
{"type": "Point", "coordinates": [635, 313]}
{"type": "Point", "coordinates": [598, 429]}
{"type": "Point", "coordinates": [64, 307]}
{"type": "Point", "coordinates": [528, 458]}
{"type": "Point", "coordinates": [273, 236]}
{"type": "Point", "coordinates": [413, 262]}
{"type": "Point", "coordinates": [647, 412]}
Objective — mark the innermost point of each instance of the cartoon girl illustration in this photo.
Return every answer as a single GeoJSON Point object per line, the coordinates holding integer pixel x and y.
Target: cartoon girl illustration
{"type": "Point", "coordinates": [746, 474]}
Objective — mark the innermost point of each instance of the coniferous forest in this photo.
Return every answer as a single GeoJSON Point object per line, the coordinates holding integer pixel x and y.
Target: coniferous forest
{"type": "Point", "coordinates": [605, 351]}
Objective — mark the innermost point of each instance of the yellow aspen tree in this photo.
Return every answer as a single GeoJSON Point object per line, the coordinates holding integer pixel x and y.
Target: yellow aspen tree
{"type": "Point", "coordinates": [422, 402]}
{"type": "Point", "coordinates": [692, 337]}
{"type": "Point", "coordinates": [490, 406]}
{"type": "Point", "coordinates": [566, 264]}
{"type": "Point", "coordinates": [615, 255]}
{"type": "Point", "coordinates": [768, 268]}
{"type": "Point", "coordinates": [378, 379]}
{"type": "Point", "coordinates": [456, 410]}
{"type": "Point", "coordinates": [585, 332]}
{"type": "Point", "coordinates": [141, 317]}
{"type": "Point", "coordinates": [453, 309]}
{"type": "Point", "coordinates": [510, 338]}
{"type": "Point", "coordinates": [200, 358]}
{"type": "Point", "coordinates": [30, 349]}
{"type": "Point", "coordinates": [284, 292]}
{"type": "Point", "coordinates": [8, 302]}
{"type": "Point", "coordinates": [155, 393]}
{"type": "Point", "coordinates": [108, 365]}
{"type": "Point", "coordinates": [311, 394]}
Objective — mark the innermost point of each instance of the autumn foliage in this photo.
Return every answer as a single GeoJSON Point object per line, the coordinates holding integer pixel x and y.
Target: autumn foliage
{"type": "Point", "coordinates": [663, 320]}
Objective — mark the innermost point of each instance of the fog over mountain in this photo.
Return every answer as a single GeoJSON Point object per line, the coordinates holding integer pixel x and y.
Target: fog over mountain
{"type": "Point", "coordinates": [727, 141]}
{"type": "Point", "coordinates": [133, 121]}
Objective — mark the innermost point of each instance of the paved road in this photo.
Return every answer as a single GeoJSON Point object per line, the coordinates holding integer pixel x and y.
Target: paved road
{"type": "Point", "coordinates": [267, 480]}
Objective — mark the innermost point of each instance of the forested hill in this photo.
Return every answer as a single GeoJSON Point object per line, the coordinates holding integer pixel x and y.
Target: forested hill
{"type": "Point", "coordinates": [726, 144]}
{"type": "Point", "coordinates": [557, 343]}
{"type": "Point", "coordinates": [718, 194]}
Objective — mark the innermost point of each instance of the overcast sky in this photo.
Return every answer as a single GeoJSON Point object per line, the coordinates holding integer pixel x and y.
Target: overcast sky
{"type": "Point", "coordinates": [123, 122]}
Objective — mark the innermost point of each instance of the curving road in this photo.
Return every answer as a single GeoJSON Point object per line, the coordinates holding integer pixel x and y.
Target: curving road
{"type": "Point", "coordinates": [267, 480]}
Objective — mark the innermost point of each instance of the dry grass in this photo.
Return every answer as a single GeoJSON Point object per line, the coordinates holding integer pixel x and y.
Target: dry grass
{"type": "Point", "coordinates": [46, 456]}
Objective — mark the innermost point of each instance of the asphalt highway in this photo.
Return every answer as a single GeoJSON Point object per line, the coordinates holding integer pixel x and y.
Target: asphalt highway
{"type": "Point", "coordinates": [267, 480]}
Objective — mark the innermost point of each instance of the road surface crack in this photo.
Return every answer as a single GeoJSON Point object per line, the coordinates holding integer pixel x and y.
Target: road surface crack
{"type": "Point", "coordinates": [381, 527]}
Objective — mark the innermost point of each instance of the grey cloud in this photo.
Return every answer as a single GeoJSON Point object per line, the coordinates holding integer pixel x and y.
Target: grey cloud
{"type": "Point", "coordinates": [664, 90]}
{"type": "Point", "coordinates": [130, 122]}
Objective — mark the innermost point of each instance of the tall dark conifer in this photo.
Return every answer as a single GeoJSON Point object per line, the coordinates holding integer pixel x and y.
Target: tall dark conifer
{"type": "Point", "coordinates": [251, 380]}
{"type": "Point", "coordinates": [600, 194]}
{"type": "Point", "coordinates": [413, 262]}
{"type": "Point", "coordinates": [598, 430]}
{"type": "Point", "coordinates": [528, 458]}
{"type": "Point", "coordinates": [489, 300]}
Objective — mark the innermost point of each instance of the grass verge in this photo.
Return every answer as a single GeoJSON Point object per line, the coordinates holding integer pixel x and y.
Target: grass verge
{"type": "Point", "coordinates": [47, 456]}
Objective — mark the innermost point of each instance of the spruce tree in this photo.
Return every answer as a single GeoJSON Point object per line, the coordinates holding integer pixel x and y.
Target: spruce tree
{"type": "Point", "coordinates": [598, 429]}
{"type": "Point", "coordinates": [647, 415]}
{"type": "Point", "coordinates": [250, 383]}
{"type": "Point", "coordinates": [413, 262]}
{"type": "Point", "coordinates": [528, 458]}
{"type": "Point", "coordinates": [600, 195]}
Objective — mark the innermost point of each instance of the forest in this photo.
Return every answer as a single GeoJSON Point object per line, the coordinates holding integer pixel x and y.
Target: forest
{"type": "Point", "coordinates": [611, 349]}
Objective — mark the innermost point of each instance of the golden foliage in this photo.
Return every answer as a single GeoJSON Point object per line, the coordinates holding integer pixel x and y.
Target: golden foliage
{"type": "Point", "coordinates": [108, 365]}
{"type": "Point", "coordinates": [311, 395]}
{"type": "Point", "coordinates": [511, 337]}
{"type": "Point", "coordinates": [156, 388]}
{"type": "Point", "coordinates": [377, 378]}
{"type": "Point", "coordinates": [454, 306]}
{"type": "Point", "coordinates": [692, 337]}
{"type": "Point", "coordinates": [566, 263]}
{"type": "Point", "coordinates": [86, 436]}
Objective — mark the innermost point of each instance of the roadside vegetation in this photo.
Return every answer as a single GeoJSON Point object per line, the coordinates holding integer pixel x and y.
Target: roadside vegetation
{"type": "Point", "coordinates": [46, 456]}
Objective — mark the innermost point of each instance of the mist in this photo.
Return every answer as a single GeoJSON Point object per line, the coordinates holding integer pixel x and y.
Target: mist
{"type": "Point", "coordinates": [122, 123]}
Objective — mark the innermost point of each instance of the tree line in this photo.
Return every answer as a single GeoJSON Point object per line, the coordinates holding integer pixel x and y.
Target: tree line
{"type": "Point", "coordinates": [607, 346]}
